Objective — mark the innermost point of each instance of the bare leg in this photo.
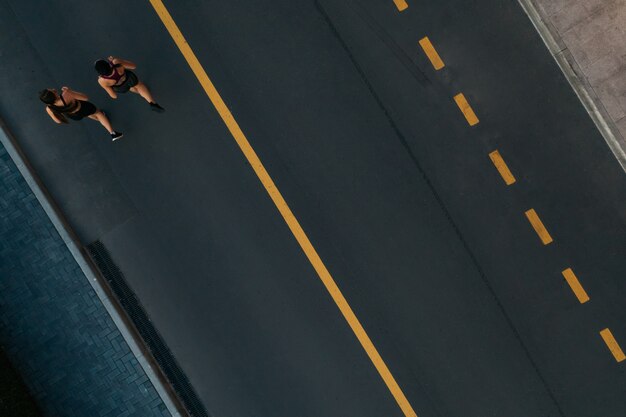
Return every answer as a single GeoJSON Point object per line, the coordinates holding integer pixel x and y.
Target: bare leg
{"type": "Point", "coordinates": [143, 91]}
{"type": "Point", "coordinates": [103, 119]}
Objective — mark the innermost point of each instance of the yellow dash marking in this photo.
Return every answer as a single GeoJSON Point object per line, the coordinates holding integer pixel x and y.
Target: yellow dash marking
{"type": "Point", "coordinates": [502, 168]}
{"type": "Point", "coordinates": [283, 208]}
{"type": "Point", "coordinates": [534, 220]}
{"type": "Point", "coordinates": [431, 53]}
{"type": "Point", "coordinates": [401, 4]}
{"type": "Point", "coordinates": [611, 343]}
{"type": "Point", "coordinates": [574, 284]}
{"type": "Point", "coordinates": [469, 114]}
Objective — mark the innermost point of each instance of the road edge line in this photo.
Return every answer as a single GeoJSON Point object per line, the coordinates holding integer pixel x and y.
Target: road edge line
{"type": "Point", "coordinates": [133, 340]}
{"type": "Point", "coordinates": [570, 68]}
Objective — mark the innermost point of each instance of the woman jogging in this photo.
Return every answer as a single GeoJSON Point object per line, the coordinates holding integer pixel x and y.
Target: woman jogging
{"type": "Point", "coordinates": [74, 105]}
{"type": "Point", "coordinates": [116, 77]}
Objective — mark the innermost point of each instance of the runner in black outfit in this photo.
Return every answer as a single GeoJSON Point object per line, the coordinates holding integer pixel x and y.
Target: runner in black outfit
{"type": "Point", "coordinates": [74, 105]}
{"type": "Point", "coordinates": [116, 77]}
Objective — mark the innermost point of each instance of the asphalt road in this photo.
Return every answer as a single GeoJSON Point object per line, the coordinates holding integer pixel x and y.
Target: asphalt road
{"type": "Point", "coordinates": [395, 190]}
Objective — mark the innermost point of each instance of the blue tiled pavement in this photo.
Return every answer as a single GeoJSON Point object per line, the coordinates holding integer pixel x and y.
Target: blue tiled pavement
{"type": "Point", "coordinates": [53, 326]}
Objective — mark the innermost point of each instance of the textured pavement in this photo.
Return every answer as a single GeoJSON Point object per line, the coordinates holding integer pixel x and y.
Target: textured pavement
{"type": "Point", "coordinates": [394, 189]}
{"type": "Point", "coordinates": [15, 398]}
{"type": "Point", "coordinates": [594, 31]}
{"type": "Point", "coordinates": [53, 326]}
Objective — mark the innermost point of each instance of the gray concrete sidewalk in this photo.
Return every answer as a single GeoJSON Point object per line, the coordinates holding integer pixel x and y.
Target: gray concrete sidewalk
{"type": "Point", "coordinates": [590, 36]}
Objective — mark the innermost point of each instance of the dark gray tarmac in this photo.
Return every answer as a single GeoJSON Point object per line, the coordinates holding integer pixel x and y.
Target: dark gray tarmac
{"type": "Point", "coordinates": [396, 192]}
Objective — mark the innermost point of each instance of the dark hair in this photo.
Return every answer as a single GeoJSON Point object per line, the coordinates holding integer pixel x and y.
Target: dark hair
{"type": "Point", "coordinates": [103, 67]}
{"type": "Point", "coordinates": [47, 96]}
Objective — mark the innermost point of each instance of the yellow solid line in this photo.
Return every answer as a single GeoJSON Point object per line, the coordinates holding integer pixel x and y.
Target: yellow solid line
{"type": "Point", "coordinates": [534, 220]}
{"type": "Point", "coordinates": [431, 53]}
{"type": "Point", "coordinates": [282, 207]}
{"type": "Point", "coordinates": [502, 168]}
{"type": "Point", "coordinates": [574, 284]}
{"type": "Point", "coordinates": [612, 344]}
{"type": "Point", "coordinates": [469, 114]}
{"type": "Point", "coordinates": [401, 4]}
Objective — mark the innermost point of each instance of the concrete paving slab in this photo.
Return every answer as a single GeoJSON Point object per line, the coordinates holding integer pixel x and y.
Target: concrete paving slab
{"type": "Point", "coordinates": [396, 192]}
{"type": "Point", "coordinates": [594, 32]}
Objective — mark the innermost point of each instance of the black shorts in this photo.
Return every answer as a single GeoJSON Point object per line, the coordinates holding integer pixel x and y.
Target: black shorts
{"type": "Point", "coordinates": [130, 81]}
{"type": "Point", "coordinates": [86, 109]}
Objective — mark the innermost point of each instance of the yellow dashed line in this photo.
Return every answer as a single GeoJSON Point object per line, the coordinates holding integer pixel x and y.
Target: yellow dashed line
{"type": "Point", "coordinates": [612, 344]}
{"type": "Point", "coordinates": [534, 220]}
{"type": "Point", "coordinates": [401, 4]}
{"type": "Point", "coordinates": [466, 109]}
{"type": "Point", "coordinates": [431, 53]}
{"type": "Point", "coordinates": [502, 168]}
{"type": "Point", "coordinates": [574, 284]}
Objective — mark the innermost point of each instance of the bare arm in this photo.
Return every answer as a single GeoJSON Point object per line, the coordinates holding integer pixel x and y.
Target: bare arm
{"type": "Point", "coordinates": [126, 64]}
{"type": "Point", "coordinates": [52, 115]}
{"type": "Point", "coordinates": [74, 94]}
{"type": "Point", "coordinates": [107, 88]}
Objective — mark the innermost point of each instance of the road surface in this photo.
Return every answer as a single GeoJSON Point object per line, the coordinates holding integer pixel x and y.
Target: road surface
{"type": "Point", "coordinates": [395, 190]}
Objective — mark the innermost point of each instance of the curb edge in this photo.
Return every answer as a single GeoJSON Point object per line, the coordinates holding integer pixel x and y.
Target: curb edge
{"type": "Point", "coordinates": [574, 75]}
{"type": "Point", "coordinates": [67, 235]}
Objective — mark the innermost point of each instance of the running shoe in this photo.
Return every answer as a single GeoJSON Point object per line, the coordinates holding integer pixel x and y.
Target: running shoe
{"type": "Point", "coordinates": [156, 107]}
{"type": "Point", "coordinates": [116, 135]}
